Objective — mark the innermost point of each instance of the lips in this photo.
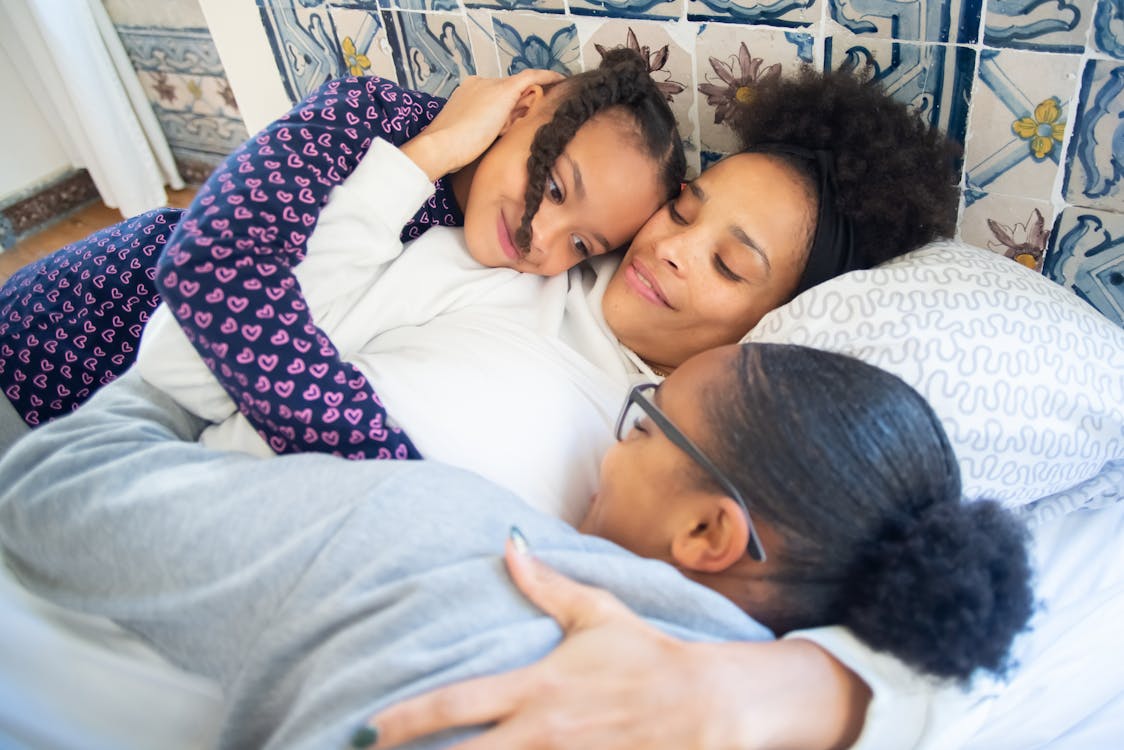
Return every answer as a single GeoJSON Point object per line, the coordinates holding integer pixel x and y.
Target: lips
{"type": "Point", "coordinates": [641, 280]}
{"type": "Point", "coordinates": [506, 243]}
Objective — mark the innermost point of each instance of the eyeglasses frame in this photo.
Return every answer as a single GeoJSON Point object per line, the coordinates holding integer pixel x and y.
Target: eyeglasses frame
{"type": "Point", "coordinates": [637, 396]}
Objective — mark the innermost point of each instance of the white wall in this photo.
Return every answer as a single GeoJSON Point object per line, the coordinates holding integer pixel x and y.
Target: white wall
{"type": "Point", "coordinates": [236, 27]}
{"type": "Point", "coordinates": [31, 153]}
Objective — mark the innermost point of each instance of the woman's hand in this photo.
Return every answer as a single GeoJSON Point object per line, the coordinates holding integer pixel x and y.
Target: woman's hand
{"type": "Point", "coordinates": [616, 683]}
{"type": "Point", "coordinates": [471, 120]}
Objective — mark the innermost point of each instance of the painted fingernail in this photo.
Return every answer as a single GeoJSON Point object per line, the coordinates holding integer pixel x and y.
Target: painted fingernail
{"type": "Point", "coordinates": [365, 737]}
{"type": "Point", "coordinates": [519, 541]}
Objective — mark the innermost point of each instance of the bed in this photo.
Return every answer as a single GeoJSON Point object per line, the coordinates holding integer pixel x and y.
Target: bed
{"type": "Point", "coordinates": [1029, 382]}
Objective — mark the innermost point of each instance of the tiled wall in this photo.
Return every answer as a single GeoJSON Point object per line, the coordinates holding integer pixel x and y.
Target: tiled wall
{"type": "Point", "coordinates": [179, 67]}
{"type": "Point", "coordinates": [1034, 89]}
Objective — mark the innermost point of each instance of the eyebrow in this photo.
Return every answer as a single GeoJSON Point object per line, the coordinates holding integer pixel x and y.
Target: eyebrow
{"type": "Point", "coordinates": [735, 231]}
{"type": "Point", "coordinates": [579, 189]}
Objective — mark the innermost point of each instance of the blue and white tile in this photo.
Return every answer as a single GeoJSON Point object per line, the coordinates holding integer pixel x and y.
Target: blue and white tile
{"type": "Point", "coordinates": [541, 6]}
{"type": "Point", "coordinates": [948, 21]}
{"type": "Point", "coordinates": [1095, 171]}
{"type": "Point", "coordinates": [667, 9]}
{"type": "Point", "coordinates": [783, 13]}
{"type": "Point", "coordinates": [669, 63]}
{"type": "Point", "coordinates": [182, 76]}
{"type": "Point", "coordinates": [537, 41]}
{"type": "Point", "coordinates": [440, 6]}
{"type": "Point", "coordinates": [1021, 110]}
{"type": "Point", "coordinates": [729, 60]}
{"type": "Point", "coordinates": [304, 45]}
{"type": "Point", "coordinates": [1016, 227]}
{"type": "Point", "coordinates": [482, 38]}
{"type": "Point", "coordinates": [431, 51]}
{"type": "Point", "coordinates": [361, 43]}
{"type": "Point", "coordinates": [1055, 26]}
{"type": "Point", "coordinates": [934, 80]}
{"type": "Point", "coordinates": [1087, 256]}
{"type": "Point", "coordinates": [1108, 28]}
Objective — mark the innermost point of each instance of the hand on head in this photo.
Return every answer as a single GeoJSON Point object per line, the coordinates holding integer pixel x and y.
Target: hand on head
{"type": "Point", "coordinates": [576, 171]}
{"type": "Point", "coordinates": [477, 113]}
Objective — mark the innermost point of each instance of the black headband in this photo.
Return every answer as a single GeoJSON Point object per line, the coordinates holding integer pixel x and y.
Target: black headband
{"type": "Point", "coordinates": [833, 242]}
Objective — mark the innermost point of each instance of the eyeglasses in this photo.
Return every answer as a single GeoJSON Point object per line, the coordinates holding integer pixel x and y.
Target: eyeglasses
{"type": "Point", "coordinates": [638, 400]}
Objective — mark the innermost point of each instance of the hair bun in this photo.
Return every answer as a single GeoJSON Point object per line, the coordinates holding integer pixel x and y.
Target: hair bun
{"type": "Point", "coordinates": [946, 591]}
{"type": "Point", "coordinates": [623, 58]}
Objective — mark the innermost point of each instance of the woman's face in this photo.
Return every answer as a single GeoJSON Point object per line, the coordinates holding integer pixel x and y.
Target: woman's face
{"type": "Point", "coordinates": [648, 484]}
{"type": "Point", "coordinates": [599, 192]}
{"type": "Point", "coordinates": [705, 268]}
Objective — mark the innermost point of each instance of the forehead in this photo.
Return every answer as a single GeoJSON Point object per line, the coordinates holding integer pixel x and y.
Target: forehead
{"type": "Point", "coordinates": [758, 191]}
{"type": "Point", "coordinates": [619, 180]}
{"type": "Point", "coordinates": [682, 396]}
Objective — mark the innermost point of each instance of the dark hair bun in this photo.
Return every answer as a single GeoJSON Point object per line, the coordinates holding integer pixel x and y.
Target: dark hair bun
{"type": "Point", "coordinates": [625, 59]}
{"type": "Point", "coordinates": [945, 592]}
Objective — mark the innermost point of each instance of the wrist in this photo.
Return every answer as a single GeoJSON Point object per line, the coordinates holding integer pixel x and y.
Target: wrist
{"type": "Point", "coordinates": [427, 152]}
{"type": "Point", "coordinates": [782, 694]}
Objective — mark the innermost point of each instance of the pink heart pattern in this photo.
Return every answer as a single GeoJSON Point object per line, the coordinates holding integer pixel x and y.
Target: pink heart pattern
{"type": "Point", "coordinates": [247, 227]}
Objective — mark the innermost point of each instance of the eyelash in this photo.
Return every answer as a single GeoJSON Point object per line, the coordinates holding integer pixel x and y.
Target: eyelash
{"type": "Point", "coordinates": [725, 270]}
{"type": "Point", "coordinates": [674, 213]}
{"type": "Point", "coordinates": [554, 190]}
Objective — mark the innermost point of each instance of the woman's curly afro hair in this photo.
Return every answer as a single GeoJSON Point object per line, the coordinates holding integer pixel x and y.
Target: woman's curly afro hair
{"type": "Point", "coordinates": [896, 176]}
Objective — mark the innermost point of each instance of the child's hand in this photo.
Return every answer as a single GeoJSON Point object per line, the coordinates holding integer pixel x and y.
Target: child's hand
{"type": "Point", "coordinates": [473, 118]}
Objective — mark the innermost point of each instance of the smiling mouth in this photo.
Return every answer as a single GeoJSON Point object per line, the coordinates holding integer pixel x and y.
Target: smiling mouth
{"type": "Point", "coordinates": [506, 243]}
{"type": "Point", "coordinates": [639, 279]}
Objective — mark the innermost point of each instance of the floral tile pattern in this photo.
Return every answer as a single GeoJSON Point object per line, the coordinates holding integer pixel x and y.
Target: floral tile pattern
{"type": "Point", "coordinates": [542, 6]}
{"type": "Point", "coordinates": [1043, 104]}
{"type": "Point", "coordinates": [955, 21]}
{"type": "Point", "coordinates": [935, 80]}
{"type": "Point", "coordinates": [1095, 166]}
{"type": "Point", "coordinates": [1059, 26]}
{"type": "Point", "coordinates": [629, 8]}
{"type": "Point", "coordinates": [180, 71]}
{"type": "Point", "coordinates": [546, 42]}
{"type": "Point", "coordinates": [1108, 28]}
{"type": "Point", "coordinates": [1015, 227]}
{"type": "Point", "coordinates": [1087, 256]}
{"type": "Point", "coordinates": [1019, 121]}
{"type": "Point", "coordinates": [729, 60]}
{"type": "Point", "coordinates": [786, 13]}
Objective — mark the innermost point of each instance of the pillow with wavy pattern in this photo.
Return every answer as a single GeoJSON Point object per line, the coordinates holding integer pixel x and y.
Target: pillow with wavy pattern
{"type": "Point", "coordinates": [1027, 378]}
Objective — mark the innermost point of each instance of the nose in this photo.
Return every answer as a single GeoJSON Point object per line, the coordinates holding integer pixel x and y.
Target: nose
{"type": "Point", "coordinates": [549, 235]}
{"type": "Point", "coordinates": [672, 247]}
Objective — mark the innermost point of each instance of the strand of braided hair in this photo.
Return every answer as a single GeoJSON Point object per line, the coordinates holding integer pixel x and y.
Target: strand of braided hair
{"type": "Point", "coordinates": [621, 81]}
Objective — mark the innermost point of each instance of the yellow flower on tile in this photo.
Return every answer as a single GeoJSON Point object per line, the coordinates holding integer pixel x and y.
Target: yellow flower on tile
{"type": "Point", "coordinates": [355, 62]}
{"type": "Point", "coordinates": [1043, 128]}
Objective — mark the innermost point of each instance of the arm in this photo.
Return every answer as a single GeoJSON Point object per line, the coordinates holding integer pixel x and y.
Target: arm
{"type": "Point", "coordinates": [597, 690]}
{"type": "Point", "coordinates": [227, 273]}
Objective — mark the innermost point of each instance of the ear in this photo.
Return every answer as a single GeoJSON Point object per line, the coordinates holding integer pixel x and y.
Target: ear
{"type": "Point", "coordinates": [715, 539]}
{"type": "Point", "coordinates": [529, 101]}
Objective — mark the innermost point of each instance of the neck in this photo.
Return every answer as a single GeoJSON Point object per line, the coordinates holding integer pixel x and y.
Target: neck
{"type": "Point", "coordinates": [461, 182]}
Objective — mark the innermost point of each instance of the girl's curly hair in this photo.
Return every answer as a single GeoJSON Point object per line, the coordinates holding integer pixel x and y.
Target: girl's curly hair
{"type": "Point", "coordinates": [621, 84]}
{"type": "Point", "coordinates": [896, 177]}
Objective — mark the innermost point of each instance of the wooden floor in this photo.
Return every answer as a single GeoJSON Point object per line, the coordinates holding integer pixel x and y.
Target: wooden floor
{"type": "Point", "coordinates": [82, 222]}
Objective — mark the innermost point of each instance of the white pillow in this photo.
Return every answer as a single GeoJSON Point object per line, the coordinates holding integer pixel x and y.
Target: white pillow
{"type": "Point", "coordinates": [1027, 379]}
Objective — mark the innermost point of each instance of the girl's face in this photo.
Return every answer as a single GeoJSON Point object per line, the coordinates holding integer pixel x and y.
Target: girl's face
{"type": "Point", "coordinates": [599, 192]}
{"type": "Point", "coordinates": [649, 487]}
{"type": "Point", "coordinates": [705, 268]}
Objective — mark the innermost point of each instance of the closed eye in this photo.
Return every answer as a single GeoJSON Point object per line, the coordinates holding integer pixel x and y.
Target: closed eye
{"type": "Point", "coordinates": [725, 270]}
{"type": "Point", "coordinates": [673, 212]}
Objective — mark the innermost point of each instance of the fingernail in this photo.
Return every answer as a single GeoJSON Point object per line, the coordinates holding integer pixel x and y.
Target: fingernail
{"type": "Point", "coordinates": [519, 541]}
{"type": "Point", "coordinates": [366, 736]}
